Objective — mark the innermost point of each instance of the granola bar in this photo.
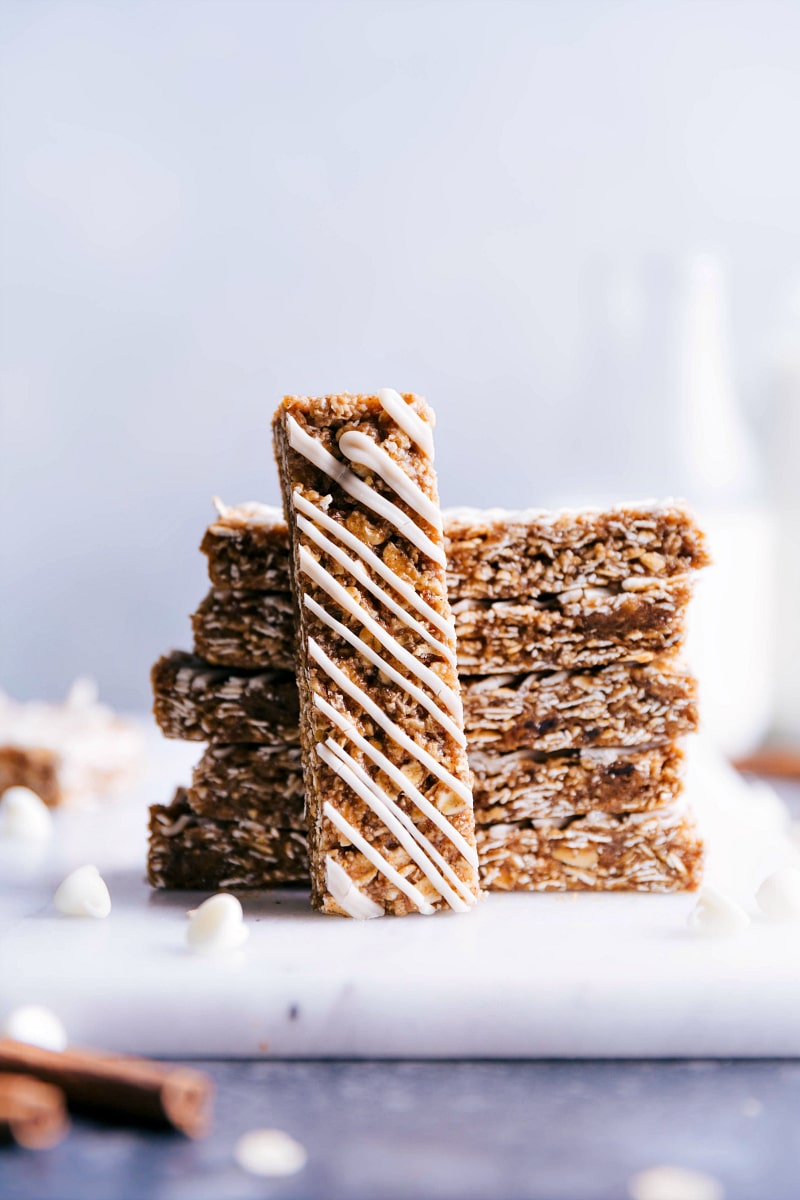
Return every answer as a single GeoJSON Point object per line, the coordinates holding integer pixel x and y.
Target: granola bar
{"type": "Point", "coordinates": [75, 752]}
{"type": "Point", "coordinates": [643, 852]}
{"type": "Point", "coordinates": [265, 783]}
{"type": "Point", "coordinates": [659, 852]}
{"type": "Point", "coordinates": [388, 791]}
{"type": "Point", "coordinates": [250, 782]}
{"type": "Point", "coordinates": [33, 767]}
{"type": "Point", "coordinates": [245, 628]}
{"type": "Point", "coordinates": [578, 629]}
{"type": "Point", "coordinates": [492, 553]}
{"type": "Point", "coordinates": [495, 554]}
{"type": "Point", "coordinates": [248, 547]}
{"type": "Point", "coordinates": [526, 785]}
{"type": "Point", "coordinates": [190, 851]}
{"type": "Point", "coordinates": [200, 702]}
{"type": "Point", "coordinates": [619, 705]}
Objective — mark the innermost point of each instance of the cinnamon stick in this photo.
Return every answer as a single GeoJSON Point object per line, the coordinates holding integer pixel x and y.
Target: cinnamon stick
{"type": "Point", "coordinates": [775, 762]}
{"type": "Point", "coordinates": [32, 1114]}
{"type": "Point", "coordinates": [117, 1084]}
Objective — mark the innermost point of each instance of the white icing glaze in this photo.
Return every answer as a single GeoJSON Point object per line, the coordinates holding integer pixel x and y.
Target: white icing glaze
{"type": "Point", "coordinates": [415, 844]}
{"type": "Point", "coordinates": [359, 572]}
{"type": "Point", "coordinates": [389, 671]}
{"type": "Point", "coordinates": [549, 516]}
{"type": "Point", "coordinates": [362, 451]}
{"type": "Point", "coordinates": [409, 421]}
{"type": "Point", "coordinates": [354, 902]}
{"type": "Point", "coordinates": [405, 589]}
{"type": "Point", "coordinates": [402, 782]}
{"type": "Point", "coordinates": [315, 452]}
{"type": "Point", "coordinates": [325, 580]}
{"type": "Point", "coordinates": [250, 513]}
{"type": "Point", "coordinates": [386, 723]}
{"type": "Point", "coordinates": [376, 858]}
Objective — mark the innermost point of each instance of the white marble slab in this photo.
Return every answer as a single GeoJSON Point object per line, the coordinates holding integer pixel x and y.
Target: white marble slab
{"type": "Point", "coordinates": [523, 976]}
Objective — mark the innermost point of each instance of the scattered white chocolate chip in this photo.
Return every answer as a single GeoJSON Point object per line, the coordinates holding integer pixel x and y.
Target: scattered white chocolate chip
{"type": "Point", "coordinates": [218, 924]}
{"type": "Point", "coordinates": [83, 894]}
{"type": "Point", "coordinates": [717, 915]}
{"type": "Point", "coordinates": [270, 1152]}
{"type": "Point", "coordinates": [37, 1026]}
{"type": "Point", "coordinates": [83, 693]}
{"type": "Point", "coordinates": [24, 814]}
{"type": "Point", "coordinates": [779, 895]}
{"type": "Point", "coordinates": [674, 1183]}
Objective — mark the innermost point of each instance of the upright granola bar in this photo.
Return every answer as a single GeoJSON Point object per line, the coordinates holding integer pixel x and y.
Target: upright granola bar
{"type": "Point", "coordinates": [388, 793]}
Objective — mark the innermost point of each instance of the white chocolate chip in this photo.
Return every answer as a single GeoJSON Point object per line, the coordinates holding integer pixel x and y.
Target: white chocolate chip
{"type": "Point", "coordinates": [83, 894]}
{"type": "Point", "coordinates": [674, 1183]}
{"type": "Point", "coordinates": [24, 814]}
{"type": "Point", "coordinates": [270, 1152]}
{"type": "Point", "coordinates": [37, 1026]}
{"type": "Point", "coordinates": [218, 924]}
{"type": "Point", "coordinates": [717, 915]}
{"type": "Point", "coordinates": [83, 694]}
{"type": "Point", "coordinates": [779, 895]}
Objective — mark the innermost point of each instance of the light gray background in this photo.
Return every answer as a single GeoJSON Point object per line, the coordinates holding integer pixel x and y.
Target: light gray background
{"type": "Point", "coordinates": [207, 204]}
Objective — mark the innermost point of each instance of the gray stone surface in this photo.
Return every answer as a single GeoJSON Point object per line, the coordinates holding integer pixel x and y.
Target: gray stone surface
{"type": "Point", "coordinates": [471, 1131]}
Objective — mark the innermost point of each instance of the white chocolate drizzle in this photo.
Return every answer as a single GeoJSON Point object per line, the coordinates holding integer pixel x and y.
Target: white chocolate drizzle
{"type": "Point", "coordinates": [362, 451]}
{"type": "Point", "coordinates": [386, 723]}
{"type": "Point", "coordinates": [376, 858]}
{"type": "Point", "coordinates": [302, 441]}
{"type": "Point", "coordinates": [324, 580]}
{"type": "Point", "coordinates": [445, 626]}
{"type": "Point", "coordinates": [386, 668]}
{"type": "Point", "coordinates": [311, 519]}
{"type": "Point", "coordinates": [359, 572]}
{"type": "Point", "coordinates": [350, 898]}
{"type": "Point", "coordinates": [409, 421]}
{"type": "Point", "coordinates": [345, 766]}
{"type": "Point", "coordinates": [400, 779]}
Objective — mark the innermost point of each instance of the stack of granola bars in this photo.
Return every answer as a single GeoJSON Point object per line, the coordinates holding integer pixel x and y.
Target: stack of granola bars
{"type": "Point", "coordinates": [564, 629]}
{"type": "Point", "coordinates": [241, 822]}
{"type": "Point", "coordinates": [569, 629]}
